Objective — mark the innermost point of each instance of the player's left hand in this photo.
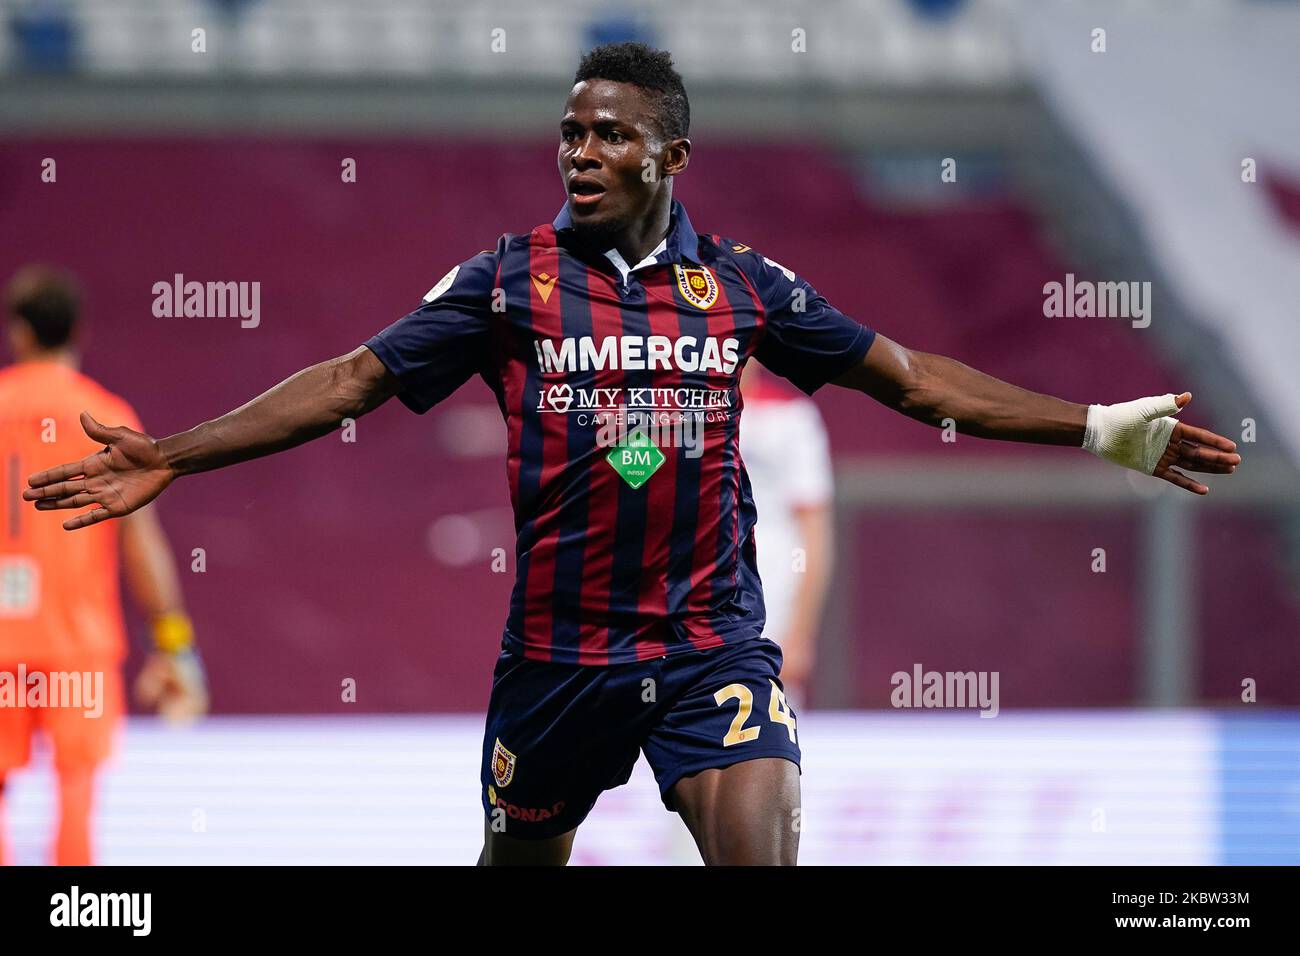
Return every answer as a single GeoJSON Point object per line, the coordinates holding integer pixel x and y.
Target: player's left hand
{"type": "Point", "coordinates": [1141, 435]}
{"type": "Point", "coordinates": [173, 684]}
{"type": "Point", "coordinates": [1195, 449]}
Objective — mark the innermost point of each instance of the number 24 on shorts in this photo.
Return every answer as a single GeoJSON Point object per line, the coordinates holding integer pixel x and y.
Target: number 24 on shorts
{"type": "Point", "coordinates": [778, 711]}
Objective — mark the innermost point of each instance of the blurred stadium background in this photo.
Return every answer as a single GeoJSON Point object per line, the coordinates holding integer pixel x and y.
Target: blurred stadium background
{"type": "Point", "coordinates": [1123, 736]}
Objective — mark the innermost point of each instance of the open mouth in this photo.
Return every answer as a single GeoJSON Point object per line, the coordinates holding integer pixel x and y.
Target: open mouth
{"type": "Point", "coordinates": [585, 193]}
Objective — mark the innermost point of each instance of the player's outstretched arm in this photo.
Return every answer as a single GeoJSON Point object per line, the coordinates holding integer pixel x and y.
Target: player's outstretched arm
{"type": "Point", "coordinates": [1138, 434]}
{"type": "Point", "coordinates": [133, 468]}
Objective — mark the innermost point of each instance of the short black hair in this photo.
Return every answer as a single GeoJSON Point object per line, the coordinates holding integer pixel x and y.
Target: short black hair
{"type": "Point", "coordinates": [47, 300]}
{"type": "Point", "coordinates": [633, 62]}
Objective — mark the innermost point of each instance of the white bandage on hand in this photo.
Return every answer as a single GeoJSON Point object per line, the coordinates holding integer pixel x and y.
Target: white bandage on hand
{"type": "Point", "coordinates": [1133, 434]}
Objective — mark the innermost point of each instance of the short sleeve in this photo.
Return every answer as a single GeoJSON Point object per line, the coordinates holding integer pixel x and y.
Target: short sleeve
{"type": "Point", "coordinates": [807, 340]}
{"type": "Point", "coordinates": [437, 348]}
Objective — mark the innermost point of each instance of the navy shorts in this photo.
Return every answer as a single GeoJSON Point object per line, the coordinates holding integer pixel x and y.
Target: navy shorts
{"type": "Point", "coordinates": [558, 735]}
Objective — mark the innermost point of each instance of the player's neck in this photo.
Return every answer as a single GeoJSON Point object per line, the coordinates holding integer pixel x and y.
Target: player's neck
{"type": "Point", "coordinates": [639, 239]}
{"type": "Point", "coordinates": [65, 357]}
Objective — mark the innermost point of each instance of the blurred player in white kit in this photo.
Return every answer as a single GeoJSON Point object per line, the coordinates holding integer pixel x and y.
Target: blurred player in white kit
{"type": "Point", "coordinates": [785, 450]}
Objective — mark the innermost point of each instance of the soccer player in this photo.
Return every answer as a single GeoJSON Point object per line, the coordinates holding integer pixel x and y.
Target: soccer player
{"type": "Point", "coordinates": [60, 612]}
{"type": "Point", "coordinates": [636, 621]}
{"type": "Point", "coordinates": [787, 458]}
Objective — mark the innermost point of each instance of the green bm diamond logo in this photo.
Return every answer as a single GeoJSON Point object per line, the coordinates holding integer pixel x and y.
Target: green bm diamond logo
{"type": "Point", "coordinates": [636, 460]}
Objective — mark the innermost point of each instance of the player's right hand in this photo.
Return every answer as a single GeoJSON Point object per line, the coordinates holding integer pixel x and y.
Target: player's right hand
{"type": "Point", "coordinates": [129, 473]}
{"type": "Point", "coordinates": [174, 685]}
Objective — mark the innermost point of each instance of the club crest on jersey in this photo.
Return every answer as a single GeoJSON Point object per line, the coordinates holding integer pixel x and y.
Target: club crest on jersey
{"type": "Point", "coordinates": [503, 765]}
{"type": "Point", "coordinates": [697, 285]}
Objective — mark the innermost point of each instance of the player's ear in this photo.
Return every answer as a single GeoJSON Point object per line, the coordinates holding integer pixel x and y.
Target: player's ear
{"type": "Point", "coordinates": [677, 154]}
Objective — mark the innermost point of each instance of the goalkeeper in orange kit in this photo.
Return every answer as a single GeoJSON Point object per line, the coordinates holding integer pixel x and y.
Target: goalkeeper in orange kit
{"type": "Point", "coordinates": [61, 621]}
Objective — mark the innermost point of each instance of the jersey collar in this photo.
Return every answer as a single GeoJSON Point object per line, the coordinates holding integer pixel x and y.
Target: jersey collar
{"type": "Point", "coordinates": [625, 270]}
{"type": "Point", "coordinates": [681, 243]}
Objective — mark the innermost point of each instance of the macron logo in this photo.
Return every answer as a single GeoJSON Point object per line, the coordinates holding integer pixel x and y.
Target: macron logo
{"type": "Point", "coordinates": [102, 909]}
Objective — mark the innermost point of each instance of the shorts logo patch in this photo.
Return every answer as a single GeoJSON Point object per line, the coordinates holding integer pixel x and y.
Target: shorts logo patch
{"type": "Point", "coordinates": [503, 765]}
{"type": "Point", "coordinates": [697, 286]}
{"type": "Point", "coordinates": [529, 814]}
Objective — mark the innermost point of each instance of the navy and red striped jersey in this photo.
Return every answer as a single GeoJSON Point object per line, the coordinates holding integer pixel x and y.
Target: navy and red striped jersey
{"type": "Point", "coordinates": [621, 398]}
